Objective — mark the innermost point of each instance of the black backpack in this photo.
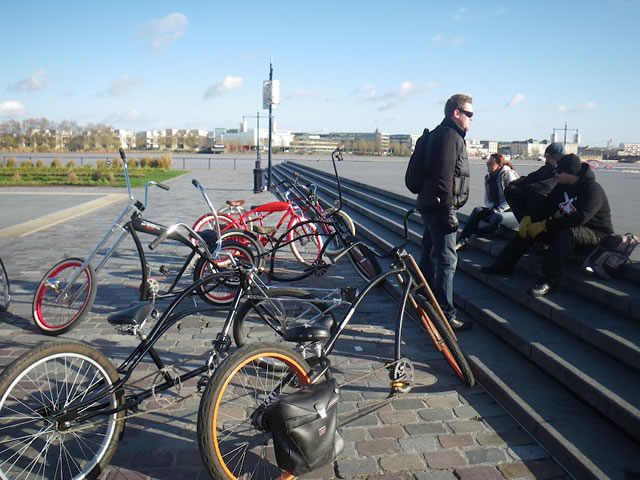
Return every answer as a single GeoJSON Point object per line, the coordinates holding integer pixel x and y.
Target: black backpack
{"type": "Point", "coordinates": [414, 177]}
{"type": "Point", "coordinates": [611, 254]}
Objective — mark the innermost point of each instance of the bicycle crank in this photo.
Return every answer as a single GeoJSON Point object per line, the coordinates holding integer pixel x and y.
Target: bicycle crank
{"type": "Point", "coordinates": [401, 376]}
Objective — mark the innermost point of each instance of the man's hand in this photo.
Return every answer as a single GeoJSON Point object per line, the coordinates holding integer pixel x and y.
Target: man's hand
{"type": "Point", "coordinates": [523, 230]}
{"type": "Point", "coordinates": [450, 220]}
{"type": "Point", "coordinates": [536, 228]}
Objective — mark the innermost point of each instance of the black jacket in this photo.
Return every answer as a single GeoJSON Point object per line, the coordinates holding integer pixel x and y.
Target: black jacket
{"type": "Point", "coordinates": [582, 204]}
{"type": "Point", "coordinates": [542, 181]}
{"type": "Point", "coordinates": [446, 169]}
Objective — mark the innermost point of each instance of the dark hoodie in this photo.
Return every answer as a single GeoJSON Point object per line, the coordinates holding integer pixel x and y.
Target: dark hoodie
{"type": "Point", "coordinates": [582, 204]}
{"type": "Point", "coordinates": [446, 169]}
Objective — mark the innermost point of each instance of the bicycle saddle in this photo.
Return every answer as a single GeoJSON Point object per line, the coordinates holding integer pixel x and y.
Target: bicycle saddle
{"type": "Point", "coordinates": [235, 203]}
{"type": "Point", "coordinates": [319, 330]}
{"type": "Point", "coordinates": [133, 315]}
{"type": "Point", "coordinates": [209, 236]}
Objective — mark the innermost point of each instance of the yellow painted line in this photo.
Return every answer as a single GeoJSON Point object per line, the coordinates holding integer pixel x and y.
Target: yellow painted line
{"type": "Point", "coordinates": [32, 226]}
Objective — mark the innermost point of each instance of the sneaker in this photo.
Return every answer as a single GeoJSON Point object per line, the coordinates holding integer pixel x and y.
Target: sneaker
{"type": "Point", "coordinates": [461, 244]}
{"type": "Point", "coordinates": [459, 325]}
{"type": "Point", "coordinates": [541, 288]}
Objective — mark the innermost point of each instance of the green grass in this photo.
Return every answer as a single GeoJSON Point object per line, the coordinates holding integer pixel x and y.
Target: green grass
{"type": "Point", "coordinates": [84, 176]}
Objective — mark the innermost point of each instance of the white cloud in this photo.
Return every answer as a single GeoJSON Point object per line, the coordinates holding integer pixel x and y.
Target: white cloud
{"type": "Point", "coordinates": [590, 105]}
{"type": "Point", "coordinates": [501, 11]}
{"type": "Point", "coordinates": [121, 86]}
{"type": "Point", "coordinates": [461, 12]}
{"type": "Point", "coordinates": [229, 83]}
{"type": "Point", "coordinates": [162, 32]}
{"type": "Point", "coordinates": [517, 99]}
{"type": "Point", "coordinates": [561, 108]}
{"type": "Point", "coordinates": [400, 95]}
{"type": "Point", "coordinates": [36, 81]}
{"type": "Point", "coordinates": [437, 38]}
{"type": "Point", "coordinates": [366, 90]}
{"type": "Point", "coordinates": [11, 108]}
{"type": "Point", "coordinates": [457, 41]}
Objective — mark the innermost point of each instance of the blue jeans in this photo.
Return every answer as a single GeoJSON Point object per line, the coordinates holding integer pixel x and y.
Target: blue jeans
{"type": "Point", "coordinates": [493, 219]}
{"type": "Point", "coordinates": [439, 260]}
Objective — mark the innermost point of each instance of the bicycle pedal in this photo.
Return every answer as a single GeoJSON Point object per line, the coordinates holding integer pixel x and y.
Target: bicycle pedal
{"type": "Point", "coordinates": [202, 384]}
{"type": "Point", "coordinates": [163, 269]}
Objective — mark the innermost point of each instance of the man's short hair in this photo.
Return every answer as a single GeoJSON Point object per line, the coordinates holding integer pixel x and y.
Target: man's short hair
{"type": "Point", "coordinates": [456, 101]}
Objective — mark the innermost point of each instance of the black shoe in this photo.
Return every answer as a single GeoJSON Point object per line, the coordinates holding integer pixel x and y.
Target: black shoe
{"type": "Point", "coordinates": [497, 269]}
{"type": "Point", "coordinates": [541, 288]}
{"type": "Point", "coordinates": [459, 324]}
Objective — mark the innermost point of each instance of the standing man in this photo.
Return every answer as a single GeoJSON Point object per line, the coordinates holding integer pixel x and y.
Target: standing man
{"type": "Point", "coordinates": [444, 190]}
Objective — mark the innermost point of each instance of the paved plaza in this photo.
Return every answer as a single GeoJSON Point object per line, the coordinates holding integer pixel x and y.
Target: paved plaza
{"type": "Point", "coordinates": [441, 430]}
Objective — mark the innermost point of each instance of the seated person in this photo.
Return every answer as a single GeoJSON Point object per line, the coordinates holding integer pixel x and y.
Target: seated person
{"type": "Point", "coordinates": [496, 211]}
{"type": "Point", "coordinates": [576, 217]}
{"type": "Point", "coordinates": [525, 195]}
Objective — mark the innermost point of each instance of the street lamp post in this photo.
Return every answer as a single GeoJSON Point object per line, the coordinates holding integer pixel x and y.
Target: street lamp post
{"type": "Point", "coordinates": [258, 172]}
{"type": "Point", "coordinates": [270, 98]}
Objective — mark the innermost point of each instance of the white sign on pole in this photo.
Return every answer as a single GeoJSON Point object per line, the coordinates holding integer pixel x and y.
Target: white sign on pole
{"type": "Point", "coordinates": [270, 93]}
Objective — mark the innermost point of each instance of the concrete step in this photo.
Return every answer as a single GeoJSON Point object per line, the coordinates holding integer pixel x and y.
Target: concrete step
{"type": "Point", "coordinates": [580, 343]}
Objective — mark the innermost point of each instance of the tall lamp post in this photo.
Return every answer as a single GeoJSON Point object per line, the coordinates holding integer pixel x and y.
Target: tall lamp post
{"type": "Point", "coordinates": [258, 172]}
{"type": "Point", "coordinates": [270, 99]}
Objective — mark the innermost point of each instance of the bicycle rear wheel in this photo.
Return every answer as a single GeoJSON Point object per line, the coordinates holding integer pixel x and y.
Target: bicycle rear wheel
{"type": "Point", "coordinates": [449, 347]}
{"type": "Point", "coordinates": [266, 319]}
{"type": "Point", "coordinates": [233, 443]}
{"type": "Point", "coordinates": [51, 377]}
{"type": "Point", "coordinates": [305, 240]}
{"type": "Point", "coordinates": [53, 315]}
{"type": "Point", "coordinates": [341, 222]}
{"type": "Point", "coordinates": [5, 288]}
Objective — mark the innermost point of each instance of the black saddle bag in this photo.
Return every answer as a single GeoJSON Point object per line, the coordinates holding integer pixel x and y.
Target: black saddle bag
{"type": "Point", "coordinates": [305, 429]}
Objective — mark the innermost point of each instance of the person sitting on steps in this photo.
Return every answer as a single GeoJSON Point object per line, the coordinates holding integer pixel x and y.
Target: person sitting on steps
{"type": "Point", "coordinates": [525, 195]}
{"type": "Point", "coordinates": [496, 211]}
{"type": "Point", "coordinates": [576, 217]}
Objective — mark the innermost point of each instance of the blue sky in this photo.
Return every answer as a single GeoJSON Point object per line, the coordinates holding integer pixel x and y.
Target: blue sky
{"type": "Point", "coordinates": [342, 65]}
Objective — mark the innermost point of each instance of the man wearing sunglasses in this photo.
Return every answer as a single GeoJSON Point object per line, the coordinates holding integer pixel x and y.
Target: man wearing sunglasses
{"type": "Point", "coordinates": [445, 189]}
{"type": "Point", "coordinates": [577, 216]}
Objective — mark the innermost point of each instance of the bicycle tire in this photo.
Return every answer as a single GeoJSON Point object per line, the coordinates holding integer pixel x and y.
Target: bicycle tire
{"type": "Point", "coordinates": [41, 381]}
{"type": "Point", "coordinates": [268, 318]}
{"type": "Point", "coordinates": [364, 262]}
{"type": "Point", "coordinates": [304, 240]}
{"type": "Point", "coordinates": [221, 290]}
{"type": "Point", "coordinates": [234, 392]}
{"type": "Point", "coordinates": [208, 222]}
{"type": "Point", "coordinates": [450, 349]}
{"type": "Point", "coordinates": [53, 318]}
{"type": "Point", "coordinates": [345, 226]}
{"type": "Point", "coordinates": [250, 241]}
{"type": "Point", "coordinates": [5, 289]}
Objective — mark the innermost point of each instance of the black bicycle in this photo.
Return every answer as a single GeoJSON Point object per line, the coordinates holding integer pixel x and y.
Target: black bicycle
{"type": "Point", "coordinates": [235, 439]}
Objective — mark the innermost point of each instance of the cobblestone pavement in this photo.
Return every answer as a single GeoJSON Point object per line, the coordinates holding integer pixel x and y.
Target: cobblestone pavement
{"type": "Point", "coordinates": [441, 430]}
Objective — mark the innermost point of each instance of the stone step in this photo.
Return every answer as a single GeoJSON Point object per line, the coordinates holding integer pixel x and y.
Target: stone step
{"type": "Point", "coordinates": [580, 343]}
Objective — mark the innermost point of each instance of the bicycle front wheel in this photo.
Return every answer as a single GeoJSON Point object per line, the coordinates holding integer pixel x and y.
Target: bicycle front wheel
{"type": "Point", "coordinates": [233, 444]}
{"type": "Point", "coordinates": [35, 443]}
{"type": "Point", "coordinates": [364, 262]}
{"type": "Point", "coordinates": [266, 319]}
{"type": "Point", "coordinates": [5, 288]}
{"type": "Point", "coordinates": [221, 290]}
{"type": "Point", "coordinates": [55, 314]}
{"type": "Point", "coordinates": [449, 347]}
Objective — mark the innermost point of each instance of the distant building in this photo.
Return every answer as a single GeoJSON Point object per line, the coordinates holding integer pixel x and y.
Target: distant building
{"type": "Point", "coordinates": [630, 148]}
